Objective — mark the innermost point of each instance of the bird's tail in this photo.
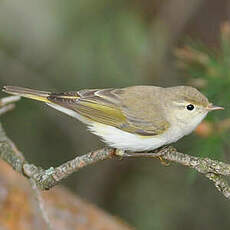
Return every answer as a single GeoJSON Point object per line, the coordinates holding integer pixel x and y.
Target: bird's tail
{"type": "Point", "coordinates": [29, 93]}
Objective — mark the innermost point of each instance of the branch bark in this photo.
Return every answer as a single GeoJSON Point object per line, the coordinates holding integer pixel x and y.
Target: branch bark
{"type": "Point", "coordinates": [46, 179]}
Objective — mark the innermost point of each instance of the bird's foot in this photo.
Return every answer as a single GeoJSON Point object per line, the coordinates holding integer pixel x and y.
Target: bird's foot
{"type": "Point", "coordinates": [120, 152]}
{"type": "Point", "coordinates": [163, 161]}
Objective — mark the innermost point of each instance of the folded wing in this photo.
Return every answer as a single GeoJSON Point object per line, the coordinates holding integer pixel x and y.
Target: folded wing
{"type": "Point", "coordinates": [107, 106]}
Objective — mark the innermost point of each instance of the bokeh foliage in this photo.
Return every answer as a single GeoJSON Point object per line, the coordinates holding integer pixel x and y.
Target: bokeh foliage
{"type": "Point", "coordinates": [208, 70]}
{"type": "Point", "coordinates": [60, 45]}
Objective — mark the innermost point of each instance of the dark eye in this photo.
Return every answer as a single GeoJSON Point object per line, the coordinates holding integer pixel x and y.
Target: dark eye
{"type": "Point", "coordinates": [190, 107]}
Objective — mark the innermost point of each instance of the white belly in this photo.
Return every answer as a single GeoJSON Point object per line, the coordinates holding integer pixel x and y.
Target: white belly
{"type": "Point", "coordinates": [117, 138]}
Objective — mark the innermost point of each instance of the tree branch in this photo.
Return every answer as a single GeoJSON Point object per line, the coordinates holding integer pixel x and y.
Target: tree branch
{"type": "Point", "coordinates": [41, 205]}
{"type": "Point", "coordinates": [46, 179]}
{"type": "Point", "coordinates": [6, 104]}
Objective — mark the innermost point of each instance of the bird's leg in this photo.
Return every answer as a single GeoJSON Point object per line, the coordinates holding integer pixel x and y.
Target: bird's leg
{"type": "Point", "coordinates": [125, 153]}
{"type": "Point", "coordinates": [138, 154]}
{"type": "Point", "coordinates": [157, 153]}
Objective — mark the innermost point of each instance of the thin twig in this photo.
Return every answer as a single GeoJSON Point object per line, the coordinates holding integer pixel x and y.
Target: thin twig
{"type": "Point", "coordinates": [6, 108]}
{"type": "Point", "coordinates": [9, 100]}
{"type": "Point", "coordinates": [6, 103]}
{"type": "Point", "coordinates": [41, 205]}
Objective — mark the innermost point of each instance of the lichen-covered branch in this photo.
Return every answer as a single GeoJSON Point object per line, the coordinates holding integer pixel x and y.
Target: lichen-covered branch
{"type": "Point", "coordinates": [8, 151]}
{"type": "Point", "coordinates": [46, 179]}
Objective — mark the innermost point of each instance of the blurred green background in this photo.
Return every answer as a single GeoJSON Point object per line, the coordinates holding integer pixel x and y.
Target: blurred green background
{"type": "Point", "coordinates": [70, 45]}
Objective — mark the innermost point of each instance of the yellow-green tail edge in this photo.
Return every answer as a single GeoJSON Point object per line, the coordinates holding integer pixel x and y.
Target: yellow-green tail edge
{"type": "Point", "coordinates": [28, 93]}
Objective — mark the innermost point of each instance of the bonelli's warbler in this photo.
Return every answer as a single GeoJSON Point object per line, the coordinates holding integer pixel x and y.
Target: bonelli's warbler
{"type": "Point", "coordinates": [137, 118]}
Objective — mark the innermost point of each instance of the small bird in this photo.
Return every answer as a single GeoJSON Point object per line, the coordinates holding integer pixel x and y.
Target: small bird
{"type": "Point", "coordinates": [136, 118]}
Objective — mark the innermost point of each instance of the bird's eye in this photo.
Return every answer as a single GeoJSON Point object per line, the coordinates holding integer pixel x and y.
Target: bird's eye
{"type": "Point", "coordinates": [190, 107]}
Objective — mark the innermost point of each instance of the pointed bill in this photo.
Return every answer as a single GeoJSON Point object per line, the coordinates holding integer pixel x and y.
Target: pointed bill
{"type": "Point", "coordinates": [212, 107]}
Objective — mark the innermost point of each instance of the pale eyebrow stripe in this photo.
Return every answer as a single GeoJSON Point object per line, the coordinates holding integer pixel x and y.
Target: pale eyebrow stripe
{"type": "Point", "coordinates": [184, 103]}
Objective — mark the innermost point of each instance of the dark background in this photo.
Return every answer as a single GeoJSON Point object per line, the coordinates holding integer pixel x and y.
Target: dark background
{"type": "Point", "coordinates": [69, 45]}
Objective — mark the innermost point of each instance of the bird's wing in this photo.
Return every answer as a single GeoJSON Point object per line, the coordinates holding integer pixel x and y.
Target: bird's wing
{"type": "Point", "coordinates": [109, 107]}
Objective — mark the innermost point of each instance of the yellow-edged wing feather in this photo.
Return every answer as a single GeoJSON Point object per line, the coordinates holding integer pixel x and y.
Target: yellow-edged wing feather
{"type": "Point", "coordinates": [112, 107]}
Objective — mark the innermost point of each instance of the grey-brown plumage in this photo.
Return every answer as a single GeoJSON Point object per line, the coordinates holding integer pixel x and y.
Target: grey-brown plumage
{"type": "Point", "coordinates": [122, 117]}
{"type": "Point", "coordinates": [126, 109]}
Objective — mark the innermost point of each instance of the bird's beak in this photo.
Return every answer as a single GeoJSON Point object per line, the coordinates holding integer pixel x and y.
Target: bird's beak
{"type": "Point", "coordinates": [212, 107]}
